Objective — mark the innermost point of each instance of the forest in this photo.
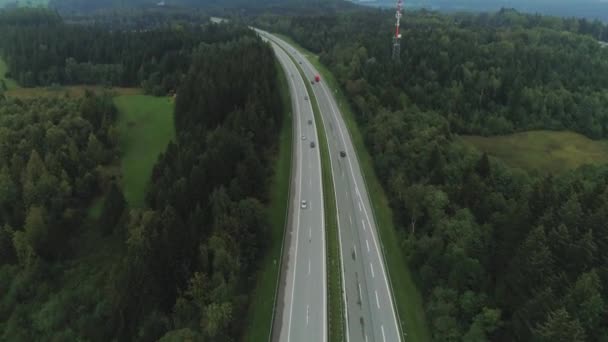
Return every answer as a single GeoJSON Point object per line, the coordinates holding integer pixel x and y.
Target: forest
{"type": "Point", "coordinates": [41, 50]}
{"type": "Point", "coordinates": [498, 254]}
{"type": "Point", "coordinates": [177, 269]}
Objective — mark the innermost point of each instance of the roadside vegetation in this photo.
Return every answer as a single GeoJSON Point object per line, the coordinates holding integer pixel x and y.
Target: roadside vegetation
{"type": "Point", "coordinates": [262, 307]}
{"type": "Point", "coordinates": [543, 152]}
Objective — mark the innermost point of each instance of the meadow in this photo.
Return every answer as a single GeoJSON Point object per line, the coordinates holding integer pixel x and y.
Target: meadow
{"type": "Point", "coordinates": [542, 151]}
{"type": "Point", "coordinates": [146, 127]}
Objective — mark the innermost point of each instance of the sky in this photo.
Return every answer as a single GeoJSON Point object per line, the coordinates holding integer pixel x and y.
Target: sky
{"type": "Point", "coordinates": [592, 9]}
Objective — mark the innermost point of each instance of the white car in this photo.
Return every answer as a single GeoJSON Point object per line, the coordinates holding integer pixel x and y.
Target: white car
{"type": "Point", "coordinates": [304, 204]}
{"type": "Point", "coordinates": [303, 138]}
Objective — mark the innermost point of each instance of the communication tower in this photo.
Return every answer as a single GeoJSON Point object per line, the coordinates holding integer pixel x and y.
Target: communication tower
{"type": "Point", "coordinates": [397, 36]}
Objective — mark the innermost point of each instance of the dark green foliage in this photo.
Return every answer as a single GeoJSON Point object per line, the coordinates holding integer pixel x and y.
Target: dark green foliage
{"type": "Point", "coordinates": [114, 206]}
{"type": "Point", "coordinates": [192, 253]}
{"type": "Point", "coordinates": [47, 180]}
{"type": "Point", "coordinates": [487, 74]}
{"type": "Point", "coordinates": [53, 52]}
{"type": "Point", "coordinates": [498, 254]}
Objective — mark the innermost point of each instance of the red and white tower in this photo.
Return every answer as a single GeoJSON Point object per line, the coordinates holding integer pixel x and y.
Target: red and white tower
{"type": "Point", "coordinates": [397, 36]}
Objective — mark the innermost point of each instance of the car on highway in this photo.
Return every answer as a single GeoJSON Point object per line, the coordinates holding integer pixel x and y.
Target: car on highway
{"type": "Point", "coordinates": [342, 154]}
{"type": "Point", "coordinates": [304, 204]}
{"type": "Point", "coordinates": [312, 144]}
{"type": "Point", "coordinates": [306, 97]}
{"type": "Point", "coordinates": [310, 122]}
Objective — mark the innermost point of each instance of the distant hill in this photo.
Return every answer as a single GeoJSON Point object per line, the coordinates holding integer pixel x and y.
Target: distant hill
{"type": "Point", "coordinates": [83, 6]}
{"type": "Point", "coordinates": [591, 9]}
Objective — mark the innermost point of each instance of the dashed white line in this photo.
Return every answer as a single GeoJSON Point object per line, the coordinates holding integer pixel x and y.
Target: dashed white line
{"type": "Point", "coordinates": [377, 300]}
{"type": "Point", "coordinates": [359, 285]}
{"type": "Point", "coordinates": [309, 266]}
{"type": "Point", "coordinates": [359, 203]}
{"type": "Point", "coordinates": [355, 251]}
{"type": "Point", "coordinates": [307, 313]}
{"type": "Point", "coordinates": [363, 223]}
{"type": "Point", "coordinates": [350, 218]}
{"type": "Point", "coordinates": [310, 235]}
{"type": "Point", "coordinates": [367, 244]}
{"type": "Point", "coordinates": [383, 336]}
{"type": "Point", "coordinates": [370, 266]}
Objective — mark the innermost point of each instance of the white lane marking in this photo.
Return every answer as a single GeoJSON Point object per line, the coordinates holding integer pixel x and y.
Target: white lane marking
{"type": "Point", "coordinates": [367, 244]}
{"type": "Point", "coordinates": [363, 223]}
{"type": "Point", "coordinates": [308, 266]}
{"type": "Point", "coordinates": [309, 233]}
{"type": "Point", "coordinates": [307, 313]}
{"type": "Point", "coordinates": [359, 203]}
{"type": "Point", "coordinates": [370, 265]}
{"type": "Point", "coordinates": [350, 218]}
{"type": "Point", "coordinates": [310, 182]}
{"type": "Point", "coordinates": [383, 336]}
{"type": "Point", "coordinates": [377, 300]}
{"type": "Point", "coordinates": [365, 338]}
{"type": "Point", "coordinates": [355, 251]}
{"type": "Point", "coordinates": [359, 285]}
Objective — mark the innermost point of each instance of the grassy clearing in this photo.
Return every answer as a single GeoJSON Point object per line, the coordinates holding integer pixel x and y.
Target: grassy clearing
{"type": "Point", "coordinates": [10, 84]}
{"type": "Point", "coordinates": [146, 127]}
{"type": "Point", "coordinates": [262, 306]}
{"type": "Point", "coordinates": [543, 152]}
{"type": "Point", "coordinates": [334, 272]}
{"type": "Point", "coordinates": [72, 91]}
{"type": "Point", "coordinates": [406, 295]}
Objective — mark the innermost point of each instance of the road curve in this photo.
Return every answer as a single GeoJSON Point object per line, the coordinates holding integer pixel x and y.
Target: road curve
{"type": "Point", "coordinates": [370, 313]}
{"type": "Point", "coordinates": [301, 310]}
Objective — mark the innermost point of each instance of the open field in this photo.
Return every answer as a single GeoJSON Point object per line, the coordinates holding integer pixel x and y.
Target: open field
{"type": "Point", "coordinates": [406, 295]}
{"type": "Point", "coordinates": [146, 127]}
{"type": "Point", "coordinates": [543, 151]}
{"type": "Point", "coordinates": [73, 91]}
{"type": "Point", "coordinates": [10, 84]}
{"type": "Point", "coordinates": [260, 314]}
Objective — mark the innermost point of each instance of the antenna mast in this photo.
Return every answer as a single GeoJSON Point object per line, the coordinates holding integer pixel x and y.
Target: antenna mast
{"type": "Point", "coordinates": [397, 36]}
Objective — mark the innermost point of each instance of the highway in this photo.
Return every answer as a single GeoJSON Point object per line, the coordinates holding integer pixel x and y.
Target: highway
{"type": "Point", "coordinates": [369, 309]}
{"type": "Point", "coordinates": [301, 309]}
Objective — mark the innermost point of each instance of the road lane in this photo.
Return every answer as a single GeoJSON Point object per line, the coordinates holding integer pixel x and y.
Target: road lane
{"type": "Point", "coordinates": [302, 306]}
{"type": "Point", "coordinates": [370, 313]}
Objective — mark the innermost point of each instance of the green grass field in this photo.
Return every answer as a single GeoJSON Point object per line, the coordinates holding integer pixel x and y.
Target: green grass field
{"type": "Point", "coordinates": [261, 308]}
{"type": "Point", "coordinates": [407, 297]}
{"type": "Point", "coordinates": [10, 84]}
{"type": "Point", "coordinates": [543, 151]}
{"type": "Point", "coordinates": [146, 127]}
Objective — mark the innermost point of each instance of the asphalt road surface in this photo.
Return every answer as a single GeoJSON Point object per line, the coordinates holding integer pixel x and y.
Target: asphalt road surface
{"type": "Point", "coordinates": [370, 313]}
{"type": "Point", "coordinates": [301, 310]}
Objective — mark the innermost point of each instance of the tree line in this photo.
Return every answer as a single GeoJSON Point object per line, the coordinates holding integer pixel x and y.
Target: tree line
{"type": "Point", "coordinates": [498, 254]}
{"type": "Point", "coordinates": [41, 50]}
